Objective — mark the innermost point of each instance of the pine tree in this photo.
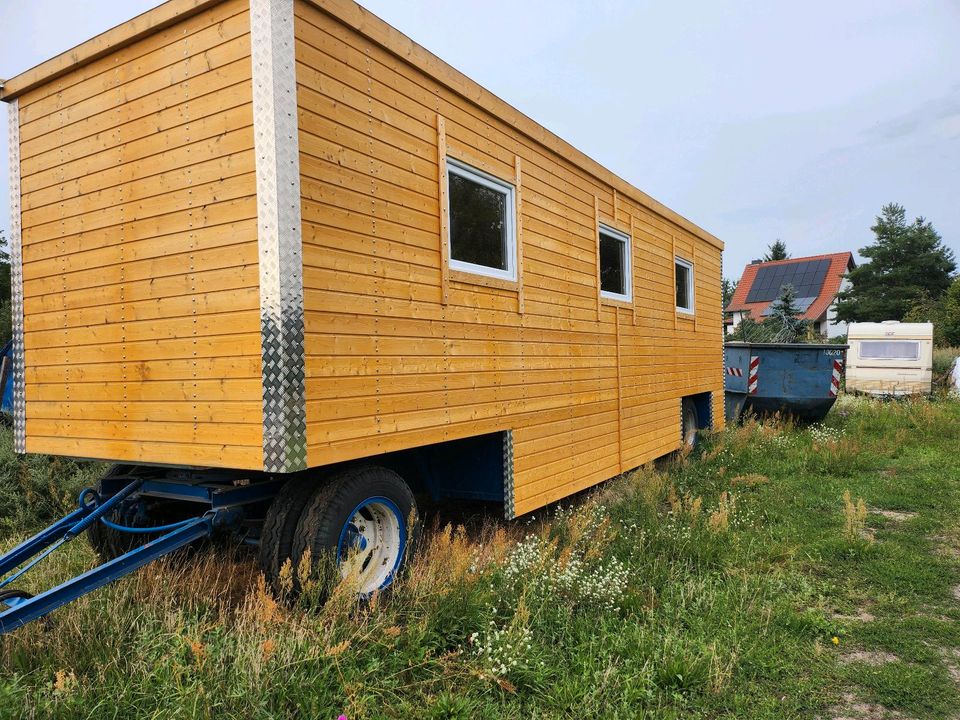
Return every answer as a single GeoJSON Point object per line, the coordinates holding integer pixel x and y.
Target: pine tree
{"type": "Point", "coordinates": [908, 263]}
{"type": "Point", "coordinates": [785, 322]}
{"type": "Point", "coordinates": [776, 251]}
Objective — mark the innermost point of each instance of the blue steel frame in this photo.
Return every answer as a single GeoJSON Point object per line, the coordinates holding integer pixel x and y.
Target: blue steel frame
{"type": "Point", "coordinates": [472, 468]}
{"type": "Point", "coordinates": [219, 508]}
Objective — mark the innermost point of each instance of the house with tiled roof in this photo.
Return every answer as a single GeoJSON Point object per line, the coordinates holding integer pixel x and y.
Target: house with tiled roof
{"type": "Point", "coordinates": [816, 280]}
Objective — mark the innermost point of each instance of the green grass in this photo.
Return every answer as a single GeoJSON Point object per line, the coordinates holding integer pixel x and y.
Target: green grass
{"type": "Point", "coordinates": [657, 597]}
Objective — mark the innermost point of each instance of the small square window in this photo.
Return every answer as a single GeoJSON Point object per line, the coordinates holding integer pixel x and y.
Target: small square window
{"type": "Point", "coordinates": [684, 281]}
{"type": "Point", "coordinates": [481, 214]}
{"type": "Point", "coordinates": [614, 264]}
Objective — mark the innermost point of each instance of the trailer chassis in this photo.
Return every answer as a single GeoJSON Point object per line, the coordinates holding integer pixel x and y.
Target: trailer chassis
{"type": "Point", "coordinates": [222, 507]}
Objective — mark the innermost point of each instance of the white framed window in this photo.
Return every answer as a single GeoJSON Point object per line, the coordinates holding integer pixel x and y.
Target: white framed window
{"type": "Point", "coordinates": [684, 279]}
{"type": "Point", "coordinates": [889, 349]}
{"type": "Point", "coordinates": [482, 222]}
{"type": "Point", "coordinates": [615, 270]}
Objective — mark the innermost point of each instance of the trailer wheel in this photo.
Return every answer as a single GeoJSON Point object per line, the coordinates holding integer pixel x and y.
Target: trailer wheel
{"type": "Point", "coordinates": [107, 542]}
{"type": "Point", "coordinates": [690, 423]}
{"type": "Point", "coordinates": [366, 517]}
{"type": "Point", "coordinates": [280, 527]}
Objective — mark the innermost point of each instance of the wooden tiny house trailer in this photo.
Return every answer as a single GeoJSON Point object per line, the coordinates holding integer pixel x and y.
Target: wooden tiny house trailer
{"type": "Point", "coordinates": [267, 236]}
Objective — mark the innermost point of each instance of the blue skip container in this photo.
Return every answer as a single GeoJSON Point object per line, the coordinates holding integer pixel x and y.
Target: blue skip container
{"type": "Point", "coordinates": [6, 379]}
{"type": "Point", "coordinates": [796, 379]}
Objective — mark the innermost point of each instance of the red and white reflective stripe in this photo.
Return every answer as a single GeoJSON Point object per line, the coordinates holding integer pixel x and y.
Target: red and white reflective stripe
{"type": "Point", "coordinates": [835, 380]}
{"type": "Point", "coordinates": [754, 372]}
{"type": "Point", "coordinates": [735, 371]}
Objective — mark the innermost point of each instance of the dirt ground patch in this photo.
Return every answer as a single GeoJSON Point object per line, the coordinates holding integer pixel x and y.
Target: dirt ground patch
{"type": "Point", "coordinates": [852, 708]}
{"type": "Point", "coordinates": [859, 616]}
{"type": "Point", "coordinates": [947, 545]}
{"type": "Point", "coordinates": [868, 657]}
{"type": "Point", "coordinates": [895, 515]}
{"type": "Point", "coordinates": [951, 660]}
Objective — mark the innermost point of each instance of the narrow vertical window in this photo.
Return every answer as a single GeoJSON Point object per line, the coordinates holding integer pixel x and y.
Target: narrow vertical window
{"type": "Point", "coordinates": [684, 279]}
{"type": "Point", "coordinates": [482, 224]}
{"type": "Point", "coordinates": [615, 282]}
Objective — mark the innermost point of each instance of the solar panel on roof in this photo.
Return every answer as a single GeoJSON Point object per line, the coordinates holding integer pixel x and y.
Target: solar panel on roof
{"type": "Point", "coordinates": [801, 303]}
{"type": "Point", "coordinates": [806, 277]}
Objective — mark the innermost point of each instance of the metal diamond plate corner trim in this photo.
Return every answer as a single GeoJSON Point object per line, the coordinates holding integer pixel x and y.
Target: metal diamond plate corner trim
{"type": "Point", "coordinates": [16, 285]}
{"type": "Point", "coordinates": [278, 225]}
{"type": "Point", "coordinates": [509, 510]}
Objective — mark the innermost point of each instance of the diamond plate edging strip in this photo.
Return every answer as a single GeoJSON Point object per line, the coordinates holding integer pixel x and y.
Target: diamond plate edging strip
{"type": "Point", "coordinates": [278, 227]}
{"type": "Point", "coordinates": [508, 506]}
{"type": "Point", "coordinates": [16, 284]}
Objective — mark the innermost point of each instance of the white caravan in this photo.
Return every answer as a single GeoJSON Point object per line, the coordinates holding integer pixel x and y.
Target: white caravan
{"type": "Point", "coordinates": [890, 358]}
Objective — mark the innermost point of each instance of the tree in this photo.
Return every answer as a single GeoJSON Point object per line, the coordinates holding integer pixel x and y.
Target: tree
{"type": "Point", "coordinates": [785, 320]}
{"type": "Point", "coordinates": [776, 251]}
{"type": "Point", "coordinates": [943, 313]}
{"type": "Point", "coordinates": [749, 330]}
{"type": "Point", "coordinates": [907, 262]}
{"type": "Point", "coordinates": [728, 288]}
{"type": "Point", "coordinates": [784, 324]}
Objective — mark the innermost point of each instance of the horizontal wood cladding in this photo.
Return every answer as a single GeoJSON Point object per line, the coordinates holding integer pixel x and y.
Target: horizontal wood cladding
{"type": "Point", "coordinates": [140, 261]}
{"type": "Point", "coordinates": [401, 354]}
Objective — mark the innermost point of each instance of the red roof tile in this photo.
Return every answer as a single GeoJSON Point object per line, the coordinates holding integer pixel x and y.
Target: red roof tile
{"type": "Point", "coordinates": [839, 264]}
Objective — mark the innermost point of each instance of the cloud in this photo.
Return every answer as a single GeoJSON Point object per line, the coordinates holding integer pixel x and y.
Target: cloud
{"type": "Point", "coordinates": [942, 112]}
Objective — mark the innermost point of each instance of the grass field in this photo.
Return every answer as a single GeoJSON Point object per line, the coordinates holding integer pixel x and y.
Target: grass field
{"type": "Point", "coordinates": [779, 572]}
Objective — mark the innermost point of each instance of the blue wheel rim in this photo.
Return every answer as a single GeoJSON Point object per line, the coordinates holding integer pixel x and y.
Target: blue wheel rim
{"type": "Point", "coordinates": [353, 537]}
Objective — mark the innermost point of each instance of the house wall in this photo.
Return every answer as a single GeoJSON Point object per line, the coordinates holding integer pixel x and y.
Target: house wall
{"type": "Point", "coordinates": [139, 251]}
{"type": "Point", "coordinates": [737, 318]}
{"type": "Point", "coordinates": [836, 330]}
{"type": "Point", "coordinates": [402, 351]}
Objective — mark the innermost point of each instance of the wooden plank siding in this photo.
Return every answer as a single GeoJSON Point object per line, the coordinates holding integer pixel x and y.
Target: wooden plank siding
{"type": "Point", "coordinates": [400, 353]}
{"type": "Point", "coordinates": [140, 261]}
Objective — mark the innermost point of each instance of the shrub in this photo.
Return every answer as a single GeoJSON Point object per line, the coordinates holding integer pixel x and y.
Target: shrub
{"type": "Point", "coordinates": [36, 489]}
{"type": "Point", "coordinates": [854, 517]}
{"type": "Point", "coordinates": [943, 359]}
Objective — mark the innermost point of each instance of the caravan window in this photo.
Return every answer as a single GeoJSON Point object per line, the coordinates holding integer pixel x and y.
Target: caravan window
{"type": "Point", "coordinates": [889, 349]}
{"type": "Point", "coordinates": [684, 280]}
{"type": "Point", "coordinates": [614, 264]}
{"type": "Point", "coordinates": [482, 224]}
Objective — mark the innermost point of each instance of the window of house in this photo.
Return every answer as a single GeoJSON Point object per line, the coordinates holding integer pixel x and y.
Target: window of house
{"type": "Point", "coordinates": [482, 224]}
{"type": "Point", "coordinates": [684, 271]}
{"type": "Point", "coordinates": [614, 264]}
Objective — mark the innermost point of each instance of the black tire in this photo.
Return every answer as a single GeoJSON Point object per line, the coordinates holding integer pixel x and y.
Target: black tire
{"type": "Point", "coordinates": [13, 593]}
{"type": "Point", "coordinates": [690, 424]}
{"type": "Point", "coordinates": [330, 506]}
{"type": "Point", "coordinates": [280, 526]}
{"type": "Point", "coordinates": [106, 542]}
{"type": "Point", "coordinates": [44, 620]}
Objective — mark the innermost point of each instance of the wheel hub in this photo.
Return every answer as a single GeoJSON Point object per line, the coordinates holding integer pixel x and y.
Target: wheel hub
{"type": "Point", "coordinates": [371, 545]}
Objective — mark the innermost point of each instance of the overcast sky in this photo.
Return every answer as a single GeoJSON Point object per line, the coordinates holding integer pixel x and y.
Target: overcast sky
{"type": "Point", "coordinates": [755, 119]}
